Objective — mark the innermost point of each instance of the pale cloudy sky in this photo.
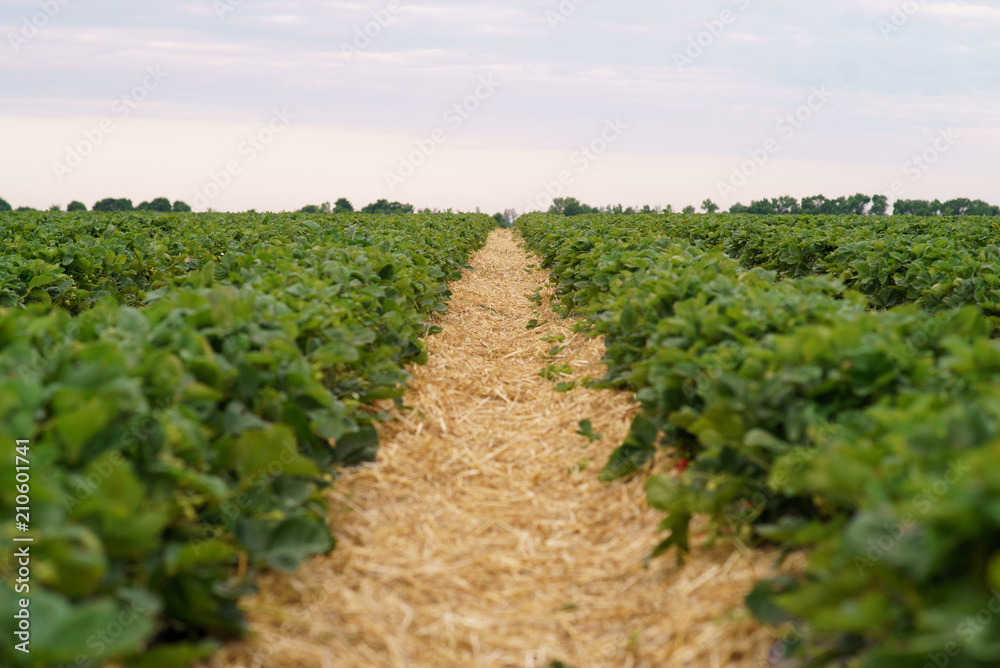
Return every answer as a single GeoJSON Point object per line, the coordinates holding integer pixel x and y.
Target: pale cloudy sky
{"type": "Point", "coordinates": [237, 104]}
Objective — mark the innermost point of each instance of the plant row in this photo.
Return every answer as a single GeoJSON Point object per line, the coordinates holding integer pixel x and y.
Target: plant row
{"type": "Point", "coordinates": [804, 418]}
{"type": "Point", "coordinates": [179, 448]}
{"type": "Point", "coordinates": [937, 263]}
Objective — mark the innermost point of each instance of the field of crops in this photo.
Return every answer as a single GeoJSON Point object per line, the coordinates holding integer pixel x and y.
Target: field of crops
{"type": "Point", "coordinates": [188, 384]}
{"type": "Point", "coordinates": [827, 384]}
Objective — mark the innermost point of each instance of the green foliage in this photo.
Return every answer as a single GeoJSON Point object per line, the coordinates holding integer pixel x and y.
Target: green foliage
{"type": "Point", "coordinates": [76, 206]}
{"type": "Point", "coordinates": [342, 205]}
{"type": "Point", "coordinates": [806, 418]}
{"type": "Point", "coordinates": [111, 204]}
{"type": "Point", "coordinates": [569, 206]}
{"type": "Point", "coordinates": [181, 207]}
{"type": "Point", "coordinates": [5, 205]}
{"type": "Point", "coordinates": [387, 208]}
{"type": "Point", "coordinates": [160, 204]}
{"type": "Point", "coordinates": [859, 205]}
{"type": "Point", "coordinates": [587, 431]}
{"type": "Point", "coordinates": [956, 207]}
{"type": "Point", "coordinates": [189, 384]}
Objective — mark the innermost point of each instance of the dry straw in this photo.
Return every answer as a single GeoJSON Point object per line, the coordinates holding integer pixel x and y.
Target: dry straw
{"type": "Point", "coordinates": [482, 536]}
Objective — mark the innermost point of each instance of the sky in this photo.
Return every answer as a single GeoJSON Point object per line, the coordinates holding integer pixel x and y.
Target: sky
{"type": "Point", "coordinates": [271, 104]}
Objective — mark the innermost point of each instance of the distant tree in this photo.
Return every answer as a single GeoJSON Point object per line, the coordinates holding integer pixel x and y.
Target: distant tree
{"type": "Point", "coordinates": [857, 204]}
{"type": "Point", "coordinates": [22, 209]}
{"type": "Point", "coordinates": [310, 208]}
{"type": "Point", "coordinates": [343, 206]}
{"type": "Point", "coordinates": [667, 209]}
{"type": "Point", "coordinates": [110, 204]}
{"type": "Point", "coordinates": [510, 215]}
{"type": "Point", "coordinates": [570, 206]}
{"type": "Point", "coordinates": [956, 207]}
{"type": "Point", "coordinates": [916, 207]}
{"type": "Point", "coordinates": [980, 208]}
{"type": "Point", "coordinates": [816, 204]}
{"type": "Point", "coordinates": [386, 207]}
{"type": "Point", "coordinates": [5, 205]}
{"type": "Point", "coordinates": [160, 204]}
{"type": "Point", "coordinates": [708, 206]}
{"type": "Point", "coordinates": [76, 206]}
{"type": "Point", "coordinates": [688, 209]}
{"type": "Point", "coordinates": [181, 207]}
{"type": "Point", "coordinates": [501, 221]}
{"type": "Point", "coordinates": [880, 204]}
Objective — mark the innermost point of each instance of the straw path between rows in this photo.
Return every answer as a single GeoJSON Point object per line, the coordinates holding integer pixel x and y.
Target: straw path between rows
{"type": "Point", "coordinates": [482, 536]}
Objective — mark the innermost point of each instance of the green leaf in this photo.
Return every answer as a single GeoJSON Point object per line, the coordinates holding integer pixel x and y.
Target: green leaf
{"type": "Point", "coordinates": [358, 447]}
{"type": "Point", "coordinates": [761, 603]}
{"type": "Point", "coordinates": [180, 655]}
{"type": "Point", "coordinates": [283, 545]}
{"type": "Point", "coordinates": [260, 454]}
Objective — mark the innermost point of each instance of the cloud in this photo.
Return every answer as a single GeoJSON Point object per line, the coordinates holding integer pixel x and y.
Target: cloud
{"type": "Point", "coordinates": [936, 69]}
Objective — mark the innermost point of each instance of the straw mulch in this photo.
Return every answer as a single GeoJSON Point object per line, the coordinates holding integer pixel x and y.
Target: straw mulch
{"type": "Point", "coordinates": [482, 536]}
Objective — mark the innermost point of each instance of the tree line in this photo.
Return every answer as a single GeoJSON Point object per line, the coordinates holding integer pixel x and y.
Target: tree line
{"type": "Point", "coordinates": [877, 205]}
{"type": "Point", "coordinates": [110, 204]}
{"type": "Point", "coordinates": [342, 205]}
